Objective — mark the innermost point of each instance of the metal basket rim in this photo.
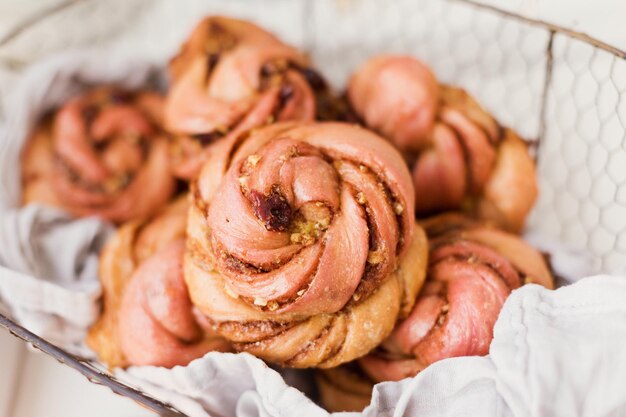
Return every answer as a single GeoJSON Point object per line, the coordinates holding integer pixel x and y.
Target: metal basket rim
{"type": "Point", "coordinates": [581, 36]}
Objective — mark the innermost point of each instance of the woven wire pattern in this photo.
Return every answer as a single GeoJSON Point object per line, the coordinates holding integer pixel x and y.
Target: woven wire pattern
{"type": "Point", "coordinates": [566, 93]}
{"type": "Point", "coordinates": [582, 159]}
{"type": "Point", "coordinates": [500, 61]}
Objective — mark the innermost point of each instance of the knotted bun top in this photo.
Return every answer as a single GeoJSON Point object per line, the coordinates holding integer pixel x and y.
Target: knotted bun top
{"type": "Point", "coordinates": [103, 153]}
{"type": "Point", "coordinates": [147, 317]}
{"type": "Point", "coordinates": [231, 76]}
{"type": "Point", "coordinates": [472, 270]}
{"type": "Point", "coordinates": [461, 158]}
{"type": "Point", "coordinates": [298, 221]}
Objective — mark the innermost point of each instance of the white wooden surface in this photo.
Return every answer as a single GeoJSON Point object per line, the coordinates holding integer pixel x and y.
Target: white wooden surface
{"type": "Point", "coordinates": [44, 388]}
{"type": "Point", "coordinates": [11, 360]}
{"type": "Point", "coordinates": [33, 385]}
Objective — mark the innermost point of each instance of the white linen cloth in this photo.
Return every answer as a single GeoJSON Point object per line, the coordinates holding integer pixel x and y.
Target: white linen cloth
{"type": "Point", "coordinates": [555, 353]}
{"type": "Point", "coordinates": [48, 272]}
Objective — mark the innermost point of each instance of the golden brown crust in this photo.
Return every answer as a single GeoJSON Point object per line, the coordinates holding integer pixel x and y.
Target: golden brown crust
{"type": "Point", "coordinates": [345, 388]}
{"type": "Point", "coordinates": [131, 244]}
{"type": "Point", "coordinates": [461, 249]}
{"type": "Point", "coordinates": [460, 156]}
{"type": "Point", "coordinates": [323, 341]}
{"type": "Point", "coordinates": [472, 270]}
{"type": "Point", "coordinates": [231, 76]}
{"type": "Point", "coordinates": [459, 99]}
{"type": "Point", "coordinates": [529, 262]}
{"type": "Point", "coordinates": [38, 150]}
{"type": "Point", "coordinates": [302, 248]}
{"type": "Point", "coordinates": [117, 264]}
{"type": "Point", "coordinates": [97, 153]}
{"type": "Point", "coordinates": [509, 196]}
{"type": "Point", "coordinates": [135, 245]}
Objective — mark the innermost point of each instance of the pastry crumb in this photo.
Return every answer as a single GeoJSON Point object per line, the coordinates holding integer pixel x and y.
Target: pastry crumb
{"type": "Point", "coordinates": [230, 292]}
{"type": "Point", "coordinates": [375, 257]}
{"type": "Point", "coordinates": [254, 159]}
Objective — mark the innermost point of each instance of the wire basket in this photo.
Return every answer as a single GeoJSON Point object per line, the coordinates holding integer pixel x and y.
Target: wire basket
{"type": "Point", "coordinates": [562, 90]}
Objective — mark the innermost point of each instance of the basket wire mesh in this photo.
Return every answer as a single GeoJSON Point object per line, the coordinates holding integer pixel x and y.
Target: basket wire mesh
{"type": "Point", "coordinates": [562, 90]}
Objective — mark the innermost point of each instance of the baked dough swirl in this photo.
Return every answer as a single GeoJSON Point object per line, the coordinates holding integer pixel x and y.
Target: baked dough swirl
{"type": "Point", "coordinates": [472, 270]}
{"type": "Point", "coordinates": [461, 158]}
{"type": "Point", "coordinates": [302, 246]}
{"type": "Point", "coordinates": [231, 76]}
{"type": "Point", "coordinates": [102, 153]}
{"type": "Point", "coordinates": [148, 318]}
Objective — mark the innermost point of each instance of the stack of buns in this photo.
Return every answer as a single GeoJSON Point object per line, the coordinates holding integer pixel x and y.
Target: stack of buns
{"type": "Point", "coordinates": [367, 234]}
